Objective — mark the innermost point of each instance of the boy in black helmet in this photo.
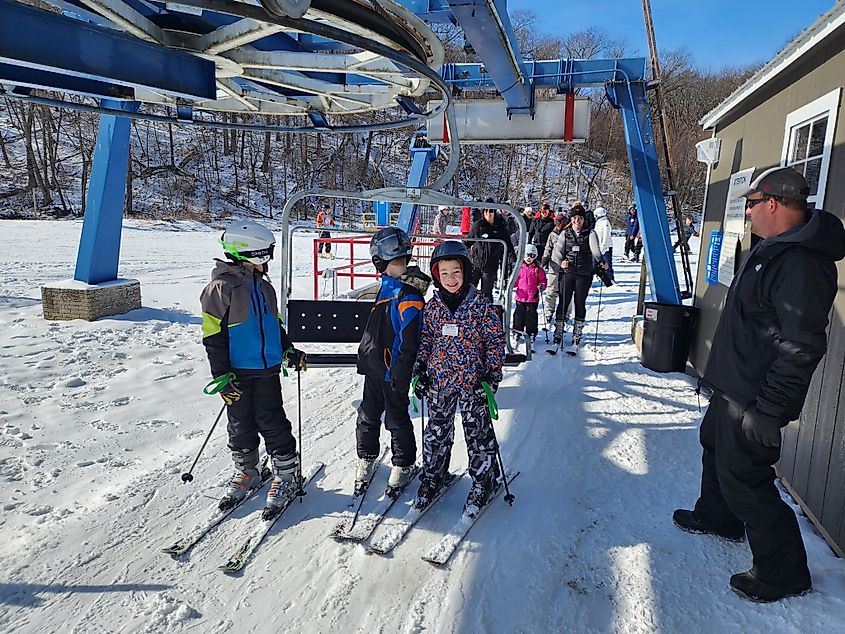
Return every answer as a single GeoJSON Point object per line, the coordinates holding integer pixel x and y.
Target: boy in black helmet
{"type": "Point", "coordinates": [386, 358]}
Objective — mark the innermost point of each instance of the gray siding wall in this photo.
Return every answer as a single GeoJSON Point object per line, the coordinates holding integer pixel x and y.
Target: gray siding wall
{"type": "Point", "coordinates": [813, 454]}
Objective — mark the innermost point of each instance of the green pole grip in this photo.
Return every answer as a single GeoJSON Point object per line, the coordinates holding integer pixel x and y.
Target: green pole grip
{"type": "Point", "coordinates": [492, 406]}
{"type": "Point", "coordinates": [414, 382]}
{"type": "Point", "coordinates": [218, 383]}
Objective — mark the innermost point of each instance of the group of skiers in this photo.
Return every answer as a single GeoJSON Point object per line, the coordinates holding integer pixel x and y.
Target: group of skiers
{"type": "Point", "coordinates": [452, 347]}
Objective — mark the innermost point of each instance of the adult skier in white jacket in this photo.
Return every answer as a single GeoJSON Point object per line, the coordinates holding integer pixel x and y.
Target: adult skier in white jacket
{"type": "Point", "coordinates": [603, 233]}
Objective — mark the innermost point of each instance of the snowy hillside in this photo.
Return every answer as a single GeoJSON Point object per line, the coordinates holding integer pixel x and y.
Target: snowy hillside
{"type": "Point", "coordinates": [98, 420]}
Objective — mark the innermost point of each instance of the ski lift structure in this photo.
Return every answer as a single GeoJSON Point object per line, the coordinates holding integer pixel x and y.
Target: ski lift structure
{"type": "Point", "coordinates": [184, 63]}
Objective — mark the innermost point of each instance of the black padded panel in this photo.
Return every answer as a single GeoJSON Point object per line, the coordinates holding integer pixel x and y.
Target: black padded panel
{"type": "Point", "coordinates": [327, 321]}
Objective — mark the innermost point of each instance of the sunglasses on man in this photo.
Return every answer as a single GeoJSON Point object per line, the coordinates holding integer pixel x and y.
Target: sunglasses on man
{"type": "Point", "coordinates": [750, 202]}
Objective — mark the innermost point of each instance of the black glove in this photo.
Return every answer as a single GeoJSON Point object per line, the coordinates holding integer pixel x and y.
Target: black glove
{"type": "Point", "coordinates": [492, 378]}
{"type": "Point", "coordinates": [545, 263]}
{"type": "Point", "coordinates": [761, 428]}
{"type": "Point", "coordinates": [423, 383]}
{"type": "Point", "coordinates": [296, 359]}
{"type": "Point", "coordinates": [231, 393]}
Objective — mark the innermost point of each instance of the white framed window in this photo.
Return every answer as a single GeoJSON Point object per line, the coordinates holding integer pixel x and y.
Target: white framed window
{"type": "Point", "coordinates": [808, 140]}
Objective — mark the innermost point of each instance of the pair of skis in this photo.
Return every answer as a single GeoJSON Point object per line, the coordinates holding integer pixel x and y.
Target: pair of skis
{"type": "Point", "coordinates": [258, 526]}
{"type": "Point", "coordinates": [396, 532]}
{"type": "Point", "coordinates": [356, 527]}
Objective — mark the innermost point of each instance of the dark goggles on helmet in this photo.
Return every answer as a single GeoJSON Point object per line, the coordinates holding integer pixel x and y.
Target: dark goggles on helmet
{"type": "Point", "coordinates": [390, 246]}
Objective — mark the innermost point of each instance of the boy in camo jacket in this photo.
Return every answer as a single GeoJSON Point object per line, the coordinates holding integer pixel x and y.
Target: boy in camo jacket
{"type": "Point", "coordinates": [462, 343]}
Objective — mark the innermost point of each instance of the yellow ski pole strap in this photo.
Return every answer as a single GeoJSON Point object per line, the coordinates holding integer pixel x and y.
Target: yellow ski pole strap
{"type": "Point", "coordinates": [218, 383]}
{"type": "Point", "coordinates": [492, 407]}
{"type": "Point", "coordinates": [414, 382]}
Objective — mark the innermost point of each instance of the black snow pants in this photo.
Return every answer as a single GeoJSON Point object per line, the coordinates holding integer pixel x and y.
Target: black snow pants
{"type": "Point", "coordinates": [380, 399]}
{"type": "Point", "coordinates": [573, 284]}
{"type": "Point", "coordinates": [737, 487]}
{"type": "Point", "coordinates": [487, 278]}
{"type": "Point", "coordinates": [439, 437]}
{"type": "Point", "coordinates": [260, 411]}
{"type": "Point", "coordinates": [525, 317]}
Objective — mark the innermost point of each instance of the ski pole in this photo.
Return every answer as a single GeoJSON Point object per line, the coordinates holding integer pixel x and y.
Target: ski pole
{"type": "Point", "coordinates": [213, 387]}
{"type": "Point", "coordinates": [301, 491]}
{"type": "Point", "coordinates": [598, 314]}
{"type": "Point", "coordinates": [422, 421]}
{"type": "Point", "coordinates": [493, 408]}
{"type": "Point", "coordinates": [188, 477]}
{"type": "Point", "coordinates": [545, 321]}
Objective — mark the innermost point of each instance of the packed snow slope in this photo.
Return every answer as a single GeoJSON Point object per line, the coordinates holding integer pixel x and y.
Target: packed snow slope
{"type": "Point", "coordinates": [98, 421]}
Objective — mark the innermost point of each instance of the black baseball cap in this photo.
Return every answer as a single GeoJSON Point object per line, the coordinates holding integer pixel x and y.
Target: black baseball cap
{"type": "Point", "coordinates": [783, 182]}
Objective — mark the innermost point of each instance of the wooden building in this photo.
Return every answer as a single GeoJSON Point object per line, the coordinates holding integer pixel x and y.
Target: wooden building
{"type": "Point", "coordinates": [789, 113]}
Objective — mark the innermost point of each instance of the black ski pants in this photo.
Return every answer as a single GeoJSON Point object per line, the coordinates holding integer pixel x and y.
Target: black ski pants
{"type": "Point", "coordinates": [380, 399]}
{"type": "Point", "coordinates": [569, 285]}
{"type": "Point", "coordinates": [324, 246]}
{"type": "Point", "coordinates": [260, 411]}
{"type": "Point", "coordinates": [738, 487]}
{"type": "Point", "coordinates": [439, 436]}
{"type": "Point", "coordinates": [525, 317]}
{"type": "Point", "coordinates": [487, 279]}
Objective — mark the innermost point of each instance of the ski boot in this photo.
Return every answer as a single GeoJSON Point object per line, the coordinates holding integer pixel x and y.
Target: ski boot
{"type": "Point", "coordinates": [479, 496]}
{"type": "Point", "coordinates": [426, 493]}
{"type": "Point", "coordinates": [577, 333]}
{"type": "Point", "coordinates": [246, 477]}
{"type": "Point", "coordinates": [399, 478]}
{"type": "Point", "coordinates": [560, 330]}
{"type": "Point", "coordinates": [364, 469]}
{"type": "Point", "coordinates": [284, 487]}
{"type": "Point", "coordinates": [517, 337]}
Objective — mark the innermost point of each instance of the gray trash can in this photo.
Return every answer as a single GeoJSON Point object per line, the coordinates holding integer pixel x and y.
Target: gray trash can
{"type": "Point", "coordinates": [667, 332]}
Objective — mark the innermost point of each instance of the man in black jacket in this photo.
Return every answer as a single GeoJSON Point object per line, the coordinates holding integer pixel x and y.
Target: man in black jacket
{"type": "Point", "coordinates": [769, 340]}
{"type": "Point", "coordinates": [487, 256]}
{"type": "Point", "coordinates": [542, 227]}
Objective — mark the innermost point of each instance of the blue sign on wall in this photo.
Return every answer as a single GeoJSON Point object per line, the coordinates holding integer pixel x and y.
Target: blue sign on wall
{"type": "Point", "coordinates": [712, 275]}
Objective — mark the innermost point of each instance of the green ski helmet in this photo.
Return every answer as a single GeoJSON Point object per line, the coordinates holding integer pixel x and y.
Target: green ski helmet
{"type": "Point", "coordinates": [248, 241]}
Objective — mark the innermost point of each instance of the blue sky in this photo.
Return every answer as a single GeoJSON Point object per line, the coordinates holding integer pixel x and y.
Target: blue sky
{"type": "Point", "coordinates": [716, 32]}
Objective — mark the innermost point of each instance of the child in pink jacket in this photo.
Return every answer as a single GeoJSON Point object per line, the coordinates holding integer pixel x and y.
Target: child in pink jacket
{"type": "Point", "coordinates": [529, 284]}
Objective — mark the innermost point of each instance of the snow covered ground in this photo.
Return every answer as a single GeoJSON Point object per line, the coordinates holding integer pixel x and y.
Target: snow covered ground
{"type": "Point", "coordinates": [98, 420]}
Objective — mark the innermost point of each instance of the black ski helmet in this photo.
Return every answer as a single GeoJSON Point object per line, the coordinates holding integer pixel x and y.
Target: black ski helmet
{"type": "Point", "coordinates": [388, 244]}
{"type": "Point", "coordinates": [450, 250]}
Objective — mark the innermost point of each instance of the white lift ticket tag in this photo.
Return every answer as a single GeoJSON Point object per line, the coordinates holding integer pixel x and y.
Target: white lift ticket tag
{"type": "Point", "coordinates": [450, 330]}
{"type": "Point", "coordinates": [576, 249]}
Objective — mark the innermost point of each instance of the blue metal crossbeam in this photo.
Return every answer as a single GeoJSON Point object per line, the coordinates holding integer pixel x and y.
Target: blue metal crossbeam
{"type": "Point", "coordinates": [564, 74]}
{"type": "Point", "coordinates": [34, 78]}
{"type": "Point", "coordinates": [488, 28]}
{"type": "Point", "coordinates": [630, 98]}
{"type": "Point", "coordinates": [78, 49]}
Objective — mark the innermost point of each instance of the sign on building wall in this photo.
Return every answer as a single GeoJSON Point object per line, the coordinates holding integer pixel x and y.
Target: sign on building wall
{"type": "Point", "coordinates": [712, 271]}
{"type": "Point", "coordinates": [733, 226]}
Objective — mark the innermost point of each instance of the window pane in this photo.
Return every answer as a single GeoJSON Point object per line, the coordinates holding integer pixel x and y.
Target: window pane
{"type": "Point", "coordinates": [799, 143]}
{"type": "Point", "coordinates": [811, 173]}
{"type": "Point", "coordinates": [817, 137]}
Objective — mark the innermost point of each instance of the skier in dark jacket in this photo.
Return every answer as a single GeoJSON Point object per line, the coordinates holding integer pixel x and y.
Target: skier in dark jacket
{"type": "Point", "coordinates": [487, 256]}
{"type": "Point", "coordinates": [542, 227]}
{"type": "Point", "coordinates": [386, 357]}
{"type": "Point", "coordinates": [770, 338]}
{"type": "Point", "coordinates": [688, 232]}
{"type": "Point", "coordinates": [243, 336]}
{"type": "Point", "coordinates": [633, 239]}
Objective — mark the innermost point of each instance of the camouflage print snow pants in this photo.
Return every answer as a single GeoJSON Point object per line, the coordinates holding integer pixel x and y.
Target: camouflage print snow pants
{"type": "Point", "coordinates": [440, 435]}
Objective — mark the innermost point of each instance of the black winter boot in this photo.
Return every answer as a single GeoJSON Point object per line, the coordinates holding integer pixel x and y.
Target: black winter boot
{"type": "Point", "coordinates": [748, 586]}
{"type": "Point", "coordinates": [687, 521]}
